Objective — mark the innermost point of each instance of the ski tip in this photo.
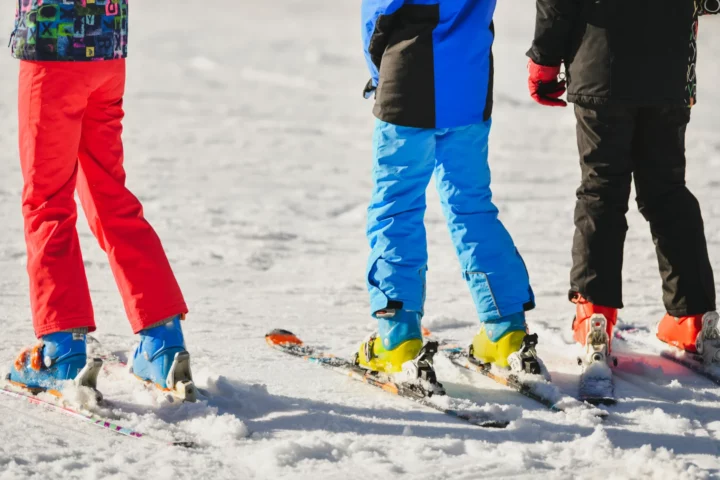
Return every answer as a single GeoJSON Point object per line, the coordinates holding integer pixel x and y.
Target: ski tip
{"type": "Point", "coordinates": [494, 424]}
{"type": "Point", "coordinates": [282, 337]}
{"type": "Point", "coordinates": [598, 401]}
{"type": "Point", "coordinates": [426, 332]}
{"type": "Point", "coordinates": [185, 444]}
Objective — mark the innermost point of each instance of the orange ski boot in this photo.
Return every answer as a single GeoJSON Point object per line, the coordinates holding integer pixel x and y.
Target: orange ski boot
{"type": "Point", "coordinates": [582, 326]}
{"type": "Point", "coordinates": [680, 332]}
{"type": "Point", "coordinates": [593, 329]}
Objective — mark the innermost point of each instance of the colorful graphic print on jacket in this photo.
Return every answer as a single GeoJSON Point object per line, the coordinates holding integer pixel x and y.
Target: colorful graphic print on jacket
{"type": "Point", "coordinates": [70, 30]}
{"type": "Point", "coordinates": [702, 7]}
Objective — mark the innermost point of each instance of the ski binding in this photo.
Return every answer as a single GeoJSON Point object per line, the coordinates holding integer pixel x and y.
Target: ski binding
{"type": "Point", "coordinates": [596, 381]}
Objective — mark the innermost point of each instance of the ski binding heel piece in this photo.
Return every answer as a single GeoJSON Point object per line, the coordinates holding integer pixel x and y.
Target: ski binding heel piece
{"type": "Point", "coordinates": [87, 377]}
{"type": "Point", "coordinates": [422, 371]}
{"type": "Point", "coordinates": [179, 378]}
{"type": "Point", "coordinates": [526, 359]}
{"type": "Point", "coordinates": [597, 346]}
{"type": "Point", "coordinates": [597, 340]}
{"type": "Point", "coordinates": [708, 342]}
{"type": "Point", "coordinates": [369, 348]}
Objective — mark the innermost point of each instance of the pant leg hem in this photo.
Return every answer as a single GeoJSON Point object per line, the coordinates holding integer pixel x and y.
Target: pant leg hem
{"type": "Point", "coordinates": [381, 302]}
{"type": "Point", "coordinates": [507, 310]}
{"type": "Point", "coordinates": [685, 312]}
{"type": "Point", "coordinates": [144, 318]}
{"type": "Point", "coordinates": [592, 299]}
{"type": "Point", "coordinates": [66, 324]}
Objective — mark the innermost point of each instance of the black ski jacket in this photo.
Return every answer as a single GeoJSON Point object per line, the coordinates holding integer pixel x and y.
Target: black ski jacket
{"type": "Point", "coordinates": [622, 52]}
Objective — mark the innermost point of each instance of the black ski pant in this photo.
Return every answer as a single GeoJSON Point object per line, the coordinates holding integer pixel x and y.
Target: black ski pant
{"type": "Point", "coordinates": [617, 144]}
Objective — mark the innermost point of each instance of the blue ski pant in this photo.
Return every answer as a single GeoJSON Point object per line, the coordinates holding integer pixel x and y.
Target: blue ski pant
{"type": "Point", "coordinates": [404, 161]}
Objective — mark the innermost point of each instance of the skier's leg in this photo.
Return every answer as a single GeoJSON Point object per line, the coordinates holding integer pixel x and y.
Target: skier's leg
{"type": "Point", "coordinates": [491, 265]}
{"type": "Point", "coordinates": [605, 139]}
{"type": "Point", "coordinates": [51, 107]}
{"type": "Point", "coordinates": [402, 167]}
{"type": "Point", "coordinates": [676, 223]}
{"type": "Point", "coordinates": [143, 274]}
{"type": "Point", "coordinates": [152, 297]}
{"type": "Point", "coordinates": [52, 101]}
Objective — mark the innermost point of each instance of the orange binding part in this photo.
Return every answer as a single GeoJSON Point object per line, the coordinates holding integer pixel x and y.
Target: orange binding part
{"type": "Point", "coordinates": [55, 393]}
{"type": "Point", "coordinates": [282, 337]}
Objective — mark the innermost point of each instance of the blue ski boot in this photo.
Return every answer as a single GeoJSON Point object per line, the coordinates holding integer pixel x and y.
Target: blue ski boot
{"type": "Point", "coordinates": [57, 358]}
{"type": "Point", "coordinates": [161, 359]}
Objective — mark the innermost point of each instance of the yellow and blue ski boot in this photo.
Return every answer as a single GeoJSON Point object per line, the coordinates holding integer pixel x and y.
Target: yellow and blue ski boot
{"type": "Point", "coordinates": [397, 341]}
{"type": "Point", "coordinates": [505, 343]}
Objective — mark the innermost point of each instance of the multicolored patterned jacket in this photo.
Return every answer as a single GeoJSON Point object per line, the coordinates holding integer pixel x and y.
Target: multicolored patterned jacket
{"type": "Point", "coordinates": [70, 30]}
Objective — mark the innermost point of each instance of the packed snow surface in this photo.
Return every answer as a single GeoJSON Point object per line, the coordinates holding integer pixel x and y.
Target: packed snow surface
{"type": "Point", "coordinates": [248, 141]}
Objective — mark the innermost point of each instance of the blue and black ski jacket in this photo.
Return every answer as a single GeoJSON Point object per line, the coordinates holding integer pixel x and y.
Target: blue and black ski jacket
{"type": "Point", "coordinates": [430, 60]}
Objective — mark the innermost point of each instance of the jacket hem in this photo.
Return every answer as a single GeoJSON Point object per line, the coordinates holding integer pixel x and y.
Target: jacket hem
{"type": "Point", "coordinates": [595, 101]}
{"type": "Point", "coordinates": [403, 122]}
{"type": "Point", "coordinates": [36, 58]}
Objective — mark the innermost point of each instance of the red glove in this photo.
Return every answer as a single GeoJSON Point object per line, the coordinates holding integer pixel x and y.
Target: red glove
{"type": "Point", "coordinates": [545, 88]}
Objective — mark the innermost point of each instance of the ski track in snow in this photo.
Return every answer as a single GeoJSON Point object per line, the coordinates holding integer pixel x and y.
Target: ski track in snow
{"type": "Point", "coordinates": [249, 144]}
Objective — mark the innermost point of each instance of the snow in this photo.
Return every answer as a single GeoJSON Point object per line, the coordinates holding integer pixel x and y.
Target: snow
{"type": "Point", "coordinates": [248, 141]}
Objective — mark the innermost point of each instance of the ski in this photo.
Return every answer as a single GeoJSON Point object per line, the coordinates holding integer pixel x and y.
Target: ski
{"type": "Point", "coordinates": [691, 361]}
{"type": "Point", "coordinates": [534, 387]}
{"type": "Point", "coordinates": [106, 424]}
{"type": "Point", "coordinates": [288, 343]}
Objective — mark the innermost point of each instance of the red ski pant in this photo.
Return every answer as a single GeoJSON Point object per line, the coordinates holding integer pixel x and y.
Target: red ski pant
{"type": "Point", "coordinates": [70, 138]}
